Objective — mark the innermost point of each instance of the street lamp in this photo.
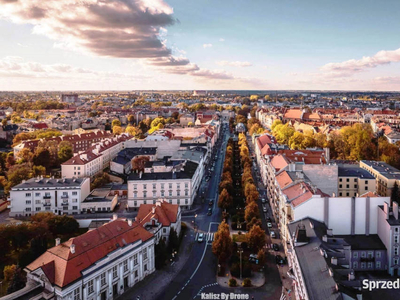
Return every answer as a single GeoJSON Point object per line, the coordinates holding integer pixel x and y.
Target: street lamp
{"type": "Point", "coordinates": [195, 216]}
{"type": "Point", "coordinates": [240, 251]}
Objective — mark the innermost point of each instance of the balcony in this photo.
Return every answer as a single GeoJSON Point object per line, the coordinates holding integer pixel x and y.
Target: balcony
{"type": "Point", "coordinates": [46, 197]}
{"type": "Point", "coordinates": [64, 203]}
{"type": "Point", "coordinates": [64, 196]}
{"type": "Point", "coordinates": [46, 203]}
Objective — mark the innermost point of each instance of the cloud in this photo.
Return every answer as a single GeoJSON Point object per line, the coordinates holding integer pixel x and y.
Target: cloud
{"type": "Point", "coordinates": [222, 40]}
{"type": "Point", "coordinates": [212, 74]}
{"type": "Point", "coordinates": [207, 46]}
{"type": "Point", "coordinates": [353, 66]}
{"type": "Point", "coordinates": [234, 63]}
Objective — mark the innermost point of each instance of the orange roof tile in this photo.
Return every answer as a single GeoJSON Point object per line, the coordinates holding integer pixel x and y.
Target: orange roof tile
{"type": "Point", "coordinates": [279, 162]}
{"type": "Point", "coordinates": [165, 213]}
{"type": "Point", "coordinates": [293, 114]}
{"type": "Point", "coordinates": [283, 179]}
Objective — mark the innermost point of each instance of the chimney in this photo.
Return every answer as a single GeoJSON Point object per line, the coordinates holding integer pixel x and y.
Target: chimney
{"type": "Point", "coordinates": [115, 216]}
{"type": "Point", "coordinates": [153, 210]}
{"type": "Point", "coordinates": [386, 210]}
{"type": "Point", "coordinates": [130, 222]}
{"type": "Point", "coordinates": [351, 276]}
{"type": "Point", "coordinates": [396, 210]}
{"type": "Point", "coordinates": [58, 241]}
{"type": "Point", "coordinates": [140, 174]}
{"type": "Point", "coordinates": [72, 248]}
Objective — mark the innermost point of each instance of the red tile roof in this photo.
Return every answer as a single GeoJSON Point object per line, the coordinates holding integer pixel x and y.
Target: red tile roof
{"type": "Point", "coordinates": [293, 114]}
{"type": "Point", "coordinates": [66, 267]}
{"type": "Point", "coordinates": [164, 212]}
{"type": "Point", "coordinates": [279, 162]}
{"type": "Point", "coordinates": [283, 179]}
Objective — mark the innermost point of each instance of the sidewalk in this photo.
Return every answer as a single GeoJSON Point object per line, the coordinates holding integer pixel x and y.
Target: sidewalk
{"type": "Point", "coordinates": [257, 280]}
{"type": "Point", "coordinates": [153, 285]}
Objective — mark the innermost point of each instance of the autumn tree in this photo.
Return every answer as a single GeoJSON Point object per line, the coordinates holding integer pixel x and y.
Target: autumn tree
{"type": "Point", "coordinates": [131, 119]}
{"type": "Point", "coordinates": [65, 151]}
{"type": "Point", "coordinates": [100, 180]}
{"type": "Point", "coordinates": [225, 200]}
{"type": "Point", "coordinates": [116, 122]}
{"type": "Point", "coordinates": [132, 130]}
{"type": "Point", "coordinates": [261, 257]}
{"type": "Point", "coordinates": [255, 238]}
{"type": "Point", "coordinates": [251, 211]}
{"type": "Point", "coordinates": [139, 162]}
{"type": "Point", "coordinates": [117, 130]}
{"type": "Point", "coordinates": [222, 244]}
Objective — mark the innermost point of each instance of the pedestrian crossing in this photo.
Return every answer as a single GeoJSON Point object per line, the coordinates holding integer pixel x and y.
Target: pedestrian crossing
{"type": "Point", "coordinates": [207, 237]}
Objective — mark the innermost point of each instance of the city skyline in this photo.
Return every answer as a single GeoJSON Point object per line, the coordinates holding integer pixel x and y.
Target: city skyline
{"type": "Point", "coordinates": [175, 45]}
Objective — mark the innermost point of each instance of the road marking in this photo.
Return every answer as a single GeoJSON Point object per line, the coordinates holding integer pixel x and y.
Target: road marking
{"type": "Point", "coordinates": [197, 234]}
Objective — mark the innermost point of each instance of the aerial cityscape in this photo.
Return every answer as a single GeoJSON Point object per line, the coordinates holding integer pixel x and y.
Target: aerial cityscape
{"type": "Point", "coordinates": [177, 150]}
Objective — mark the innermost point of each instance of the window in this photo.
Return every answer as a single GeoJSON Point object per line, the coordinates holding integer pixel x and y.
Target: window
{"type": "Point", "coordinates": [355, 186]}
{"type": "Point", "coordinates": [125, 265]}
{"type": "Point", "coordinates": [370, 254]}
{"type": "Point", "coordinates": [170, 201]}
{"type": "Point", "coordinates": [37, 201]}
{"type": "Point", "coordinates": [28, 209]}
{"type": "Point", "coordinates": [340, 179]}
{"type": "Point", "coordinates": [186, 185]}
{"type": "Point", "coordinates": [355, 254]}
{"type": "Point", "coordinates": [170, 185]}
{"type": "Point", "coordinates": [103, 279]}
{"type": "Point", "coordinates": [170, 193]}
{"type": "Point", "coordinates": [186, 193]}
{"type": "Point", "coordinates": [115, 272]}
{"type": "Point", "coordinates": [347, 194]}
{"type": "Point", "coordinates": [90, 287]}
{"type": "Point", "coordinates": [363, 265]}
{"type": "Point", "coordinates": [363, 254]}
{"type": "Point", "coordinates": [378, 264]}
{"type": "Point", "coordinates": [340, 186]}
{"type": "Point", "coordinates": [135, 186]}
{"type": "Point", "coordinates": [74, 193]}
{"type": "Point", "coordinates": [355, 265]}
{"type": "Point", "coordinates": [77, 294]}
{"type": "Point", "coordinates": [178, 193]}
{"type": "Point", "coordinates": [38, 208]}
{"type": "Point", "coordinates": [370, 265]}
{"type": "Point", "coordinates": [396, 239]}
{"type": "Point", "coordinates": [162, 185]}
{"type": "Point", "coordinates": [164, 230]}
{"type": "Point", "coordinates": [75, 207]}
{"type": "Point", "coordinates": [144, 201]}
{"type": "Point", "coordinates": [366, 181]}
{"type": "Point", "coordinates": [347, 186]}
{"type": "Point", "coordinates": [378, 254]}
{"type": "Point", "coordinates": [136, 274]}
{"type": "Point", "coordinates": [144, 254]}
{"type": "Point", "coordinates": [37, 194]}
{"type": "Point", "coordinates": [145, 267]}
{"type": "Point", "coordinates": [186, 201]}
{"type": "Point", "coordinates": [396, 250]}
{"type": "Point", "coordinates": [178, 186]}
{"type": "Point", "coordinates": [135, 203]}
{"type": "Point", "coordinates": [134, 194]}
{"type": "Point", "coordinates": [340, 194]}
{"type": "Point", "coordinates": [144, 186]}
{"type": "Point", "coordinates": [178, 202]}
{"type": "Point", "coordinates": [347, 179]}
{"type": "Point", "coordinates": [74, 200]}
{"type": "Point", "coordinates": [162, 193]}
{"type": "Point", "coordinates": [27, 194]}
{"type": "Point", "coordinates": [154, 194]}
{"type": "Point", "coordinates": [135, 260]}
{"type": "Point", "coordinates": [396, 229]}
{"type": "Point", "coordinates": [154, 186]}
{"type": "Point", "coordinates": [366, 188]}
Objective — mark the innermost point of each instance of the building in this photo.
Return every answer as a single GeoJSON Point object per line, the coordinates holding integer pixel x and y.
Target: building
{"type": "Point", "coordinates": [100, 264]}
{"type": "Point", "coordinates": [59, 196]}
{"type": "Point", "coordinates": [160, 218]}
{"type": "Point", "coordinates": [94, 160]}
{"type": "Point", "coordinates": [389, 233]}
{"type": "Point", "coordinates": [69, 98]}
{"type": "Point", "coordinates": [354, 181]}
{"type": "Point", "coordinates": [185, 119]}
{"type": "Point", "coordinates": [175, 181]}
{"type": "Point", "coordinates": [122, 163]}
{"type": "Point", "coordinates": [100, 200]}
{"type": "Point", "coordinates": [386, 175]}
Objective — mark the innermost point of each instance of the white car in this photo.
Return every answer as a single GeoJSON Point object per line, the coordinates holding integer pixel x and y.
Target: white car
{"type": "Point", "coordinates": [265, 209]}
{"type": "Point", "coordinates": [263, 200]}
{"type": "Point", "coordinates": [269, 225]}
{"type": "Point", "coordinates": [200, 238]}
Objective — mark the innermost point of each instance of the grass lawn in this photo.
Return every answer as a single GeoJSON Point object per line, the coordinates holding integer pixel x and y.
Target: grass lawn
{"type": "Point", "coordinates": [239, 238]}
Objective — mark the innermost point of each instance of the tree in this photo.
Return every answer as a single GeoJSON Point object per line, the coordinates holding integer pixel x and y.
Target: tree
{"type": "Point", "coordinates": [132, 130]}
{"type": "Point", "coordinates": [100, 180]}
{"type": "Point", "coordinates": [38, 171]}
{"type": "Point", "coordinates": [115, 122]}
{"type": "Point", "coordinates": [256, 238]}
{"type": "Point", "coordinates": [395, 194]}
{"type": "Point", "coordinates": [117, 130]}
{"type": "Point", "coordinates": [190, 124]}
{"type": "Point", "coordinates": [4, 122]}
{"type": "Point", "coordinates": [251, 211]}
{"type": "Point", "coordinates": [296, 141]}
{"type": "Point", "coordinates": [160, 251]}
{"type": "Point", "coordinates": [157, 121]}
{"type": "Point", "coordinates": [173, 241]}
{"type": "Point", "coordinates": [139, 162]}
{"type": "Point", "coordinates": [41, 157]}
{"type": "Point", "coordinates": [8, 272]}
{"type": "Point", "coordinates": [222, 244]}
{"type": "Point", "coordinates": [225, 200]}
{"type": "Point", "coordinates": [17, 282]}
{"type": "Point", "coordinates": [16, 174]}
{"type": "Point", "coordinates": [246, 282]}
{"type": "Point", "coordinates": [131, 119]}
{"type": "Point", "coordinates": [232, 282]}
{"type": "Point", "coordinates": [65, 151]}
{"type": "Point", "coordinates": [25, 155]}
{"type": "Point", "coordinates": [261, 257]}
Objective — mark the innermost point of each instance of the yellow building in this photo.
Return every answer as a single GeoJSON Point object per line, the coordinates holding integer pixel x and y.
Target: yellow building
{"type": "Point", "coordinates": [354, 181]}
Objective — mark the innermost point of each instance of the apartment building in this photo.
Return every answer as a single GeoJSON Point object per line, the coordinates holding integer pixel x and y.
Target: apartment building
{"type": "Point", "coordinates": [59, 196]}
{"type": "Point", "coordinates": [175, 181]}
{"type": "Point", "coordinates": [95, 159]}
{"type": "Point", "coordinates": [100, 264]}
{"type": "Point", "coordinates": [386, 175]}
{"type": "Point", "coordinates": [79, 142]}
{"type": "Point", "coordinates": [354, 181]}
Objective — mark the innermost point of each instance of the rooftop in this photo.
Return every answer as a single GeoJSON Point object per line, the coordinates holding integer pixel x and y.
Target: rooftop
{"type": "Point", "coordinates": [383, 168]}
{"type": "Point", "coordinates": [354, 171]}
{"type": "Point", "coordinates": [40, 182]}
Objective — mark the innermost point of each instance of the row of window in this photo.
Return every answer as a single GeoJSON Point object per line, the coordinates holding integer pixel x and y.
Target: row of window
{"type": "Point", "coordinates": [370, 254]}
{"type": "Point", "coordinates": [178, 201]}
{"type": "Point", "coordinates": [29, 202]}
{"type": "Point", "coordinates": [48, 208]}
{"type": "Point", "coordinates": [178, 186]}
{"type": "Point", "coordinates": [47, 194]}
{"type": "Point", "coordinates": [355, 180]}
{"type": "Point", "coordinates": [370, 265]}
{"type": "Point", "coordinates": [162, 193]}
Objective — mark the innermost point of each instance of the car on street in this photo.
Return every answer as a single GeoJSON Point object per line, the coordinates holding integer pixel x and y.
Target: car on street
{"type": "Point", "coordinates": [265, 209]}
{"type": "Point", "coordinates": [269, 225]}
{"type": "Point", "coordinates": [207, 178]}
{"type": "Point", "coordinates": [279, 260]}
{"type": "Point", "coordinates": [275, 247]}
{"type": "Point", "coordinates": [272, 233]}
{"type": "Point", "coordinates": [200, 238]}
{"type": "Point", "coordinates": [211, 202]}
{"type": "Point", "coordinates": [269, 219]}
{"type": "Point", "coordinates": [209, 212]}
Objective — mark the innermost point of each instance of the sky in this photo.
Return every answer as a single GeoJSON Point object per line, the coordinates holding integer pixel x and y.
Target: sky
{"type": "Point", "coordinates": [199, 44]}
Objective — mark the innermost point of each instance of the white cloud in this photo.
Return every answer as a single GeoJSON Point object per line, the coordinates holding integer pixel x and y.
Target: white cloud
{"type": "Point", "coordinates": [207, 45]}
{"type": "Point", "coordinates": [353, 66]}
{"type": "Point", "coordinates": [222, 40]}
{"type": "Point", "coordinates": [234, 63]}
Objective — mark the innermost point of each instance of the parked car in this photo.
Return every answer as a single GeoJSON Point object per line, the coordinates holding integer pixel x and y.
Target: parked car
{"type": "Point", "coordinates": [265, 209]}
{"type": "Point", "coordinates": [211, 202]}
{"type": "Point", "coordinates": [272, 233]}
{"type": "Point", "coordinates": [279, 260]}
{"type": "Point", "coordinates": [209, 212]}
{"type": "Point", "coordinates": [269, 225]}
{"type": "Point", "coordinates": [269, 219]}
{"type": "Point", "coordinates": [275, 247]}
{"type": "Point", "coordinates": [207, 178]}
{"type": "Point", "coordinates": [200, 238]}
{"type": "Point", "coordinates": [263, 200]}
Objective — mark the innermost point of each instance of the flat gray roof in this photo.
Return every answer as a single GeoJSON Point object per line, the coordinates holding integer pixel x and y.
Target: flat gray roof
{"type": "Point", "coordinates": [50, 183]}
